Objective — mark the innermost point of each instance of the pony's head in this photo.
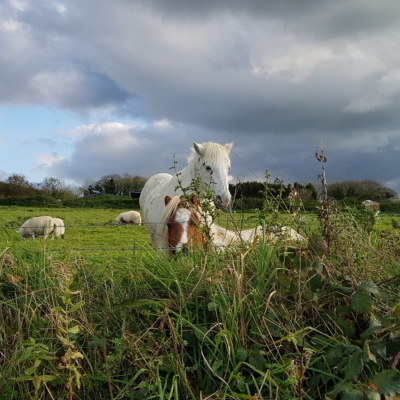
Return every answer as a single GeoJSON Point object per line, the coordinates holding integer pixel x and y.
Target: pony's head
{"type": "Point", "coordinates": [184, 224]}
{"type": "Point", "coordinates": [212, 164]}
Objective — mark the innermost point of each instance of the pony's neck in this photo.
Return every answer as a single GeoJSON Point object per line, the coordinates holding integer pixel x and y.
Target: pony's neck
{"type": "Point", "coordinates": [186, 176]}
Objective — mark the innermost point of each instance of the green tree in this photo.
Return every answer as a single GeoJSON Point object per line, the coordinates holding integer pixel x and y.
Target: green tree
{"type": "Point", "coordinates": [115, 184]}
{"type": "Point", "coordinates": [360, 190]}
{"type": "Point", "coordinates": [58, 189]}
{"type": "Point", "coordinates": [17, 185]}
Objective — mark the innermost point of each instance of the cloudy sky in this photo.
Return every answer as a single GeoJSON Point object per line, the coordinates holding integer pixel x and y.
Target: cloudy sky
{"type": "Point", "coordinates": [94, 87]}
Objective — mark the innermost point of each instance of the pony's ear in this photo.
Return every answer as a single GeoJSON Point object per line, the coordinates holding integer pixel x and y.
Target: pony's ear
{"type": "Point", "coordinates": [167, 199]}
{"type": "Point", "coordinates": [194, 200]}
{"type": "Point", "coordinates": [199, 148]}
{"type": "Point", "coordinates": [228, 147]}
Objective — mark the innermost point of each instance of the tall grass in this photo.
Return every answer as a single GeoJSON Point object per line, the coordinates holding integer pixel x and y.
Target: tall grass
{"type": "Point", "coordinates": [271, 321]}
{"type": "Point", "coordinates": [276, 320]}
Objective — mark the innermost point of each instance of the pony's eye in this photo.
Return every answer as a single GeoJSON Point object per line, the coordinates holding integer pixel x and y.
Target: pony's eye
{"type": "Point", "coordinates": [208, 168]}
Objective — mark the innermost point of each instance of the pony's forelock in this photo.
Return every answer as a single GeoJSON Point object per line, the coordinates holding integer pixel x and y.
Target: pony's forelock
{"type": "Point", "coordinates": [213, 152]}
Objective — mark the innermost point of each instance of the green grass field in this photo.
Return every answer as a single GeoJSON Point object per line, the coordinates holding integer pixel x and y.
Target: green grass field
{"type": "Point", "coordinates": [102, 315]}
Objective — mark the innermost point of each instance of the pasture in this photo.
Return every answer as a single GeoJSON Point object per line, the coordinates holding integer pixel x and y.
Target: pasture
{"type": "Point", "coordinates": [90, 233]}
{"type": "Point", "coordinates": [102, 315]}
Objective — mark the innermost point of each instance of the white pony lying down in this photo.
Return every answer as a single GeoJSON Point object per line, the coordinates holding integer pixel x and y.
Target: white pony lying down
{"type": "Point", "coordinates": [183, 226]}
{"type": "Point", "coordinates": [42, 226]}
{"type": "Point", "coordinates": [128, 217]}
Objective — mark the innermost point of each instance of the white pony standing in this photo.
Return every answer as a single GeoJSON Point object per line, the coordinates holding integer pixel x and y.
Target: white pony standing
{"type": "Point", "coordinates": [209, 164]}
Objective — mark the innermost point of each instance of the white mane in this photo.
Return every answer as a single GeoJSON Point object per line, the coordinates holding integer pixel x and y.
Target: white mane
{"type": "Point", "coordinates": [212, 153]}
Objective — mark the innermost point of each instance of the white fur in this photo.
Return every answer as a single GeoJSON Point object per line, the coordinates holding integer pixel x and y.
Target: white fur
{"type": "Point", "coordinates": [209, 163]}
{"type": "Point", "coordinates": [59, 228]}
{"type": "Point", "coordinates": [128, 217]}
{"type": "Point", "coordinates": [37, 226]}
{"type": "Point", "coordinates": [221, 237]}
{"type": "Point", "coordinates": [284, 232]}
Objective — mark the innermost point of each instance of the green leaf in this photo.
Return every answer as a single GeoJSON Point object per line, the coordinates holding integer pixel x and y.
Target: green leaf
{"type": "Point", "coordinates": [346, 391]}
{"type": "Point", "coordinates": [342, 309]}
{"type": "Point", "coordinates": [354, 366]}
{"type": "Point", "coordinates": [25, 355]}
{"type": "Point", "coordinates": [212, 306]}
{"type": "Point", "coordinates": [378, 349]}
{"type": "Point", "coordinates": [64, 341]}
{"type": "Point", "coordinates": [22, 378]}
{"type": "Point", "coordinates": [217, 364]}
{"type": "Point", "coordinates": [361, 302]}
{"type": "Point", "coordinates": [77, 306]}
{"type": "Point", "coordinates": [257, 361]}
{"type": "Point", "coordinates": [74, 329]}
{"type": "Point", "coordinates": [369, 287]}
{"type": "Point", "coordinates": [315, 283]}
{"type": "Point", "coordinates": [200, 332]}
{"type": "Point", "coordinates": [30, 370]}
{"type": "Point", "coordinates": [335, 354]}
{"type": "Point", "coordinates": [241, 354]}
{"type": "Point", "coordinates": [344, 324]}
{"type": "Point", "coordinates": [47, 378]}
{"type": "Point", "coordinates": [371, 395]}
{"type": "Point", "coordinates": [373, 328]}
{"type": "Point", "coordinates": [388, 382]}
{"type": "Point", "coordinates": [353, 393]}
{"type": "Point", "coordinates": [76, 354]}
{"type": "Point", "coordinates": [343, 289]}
{"type": "Point", "coordinates": [218, 338]}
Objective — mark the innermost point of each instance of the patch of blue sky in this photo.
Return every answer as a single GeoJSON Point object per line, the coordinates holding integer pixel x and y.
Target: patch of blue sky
{"type": "Point", "coordinates": [29, 131]}
{"type": "Point", "coordinates": [26, 131]}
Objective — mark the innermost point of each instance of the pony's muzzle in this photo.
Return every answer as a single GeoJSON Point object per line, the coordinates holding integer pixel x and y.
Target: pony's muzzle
{"type": "Point", "coordinates": [222, 203]}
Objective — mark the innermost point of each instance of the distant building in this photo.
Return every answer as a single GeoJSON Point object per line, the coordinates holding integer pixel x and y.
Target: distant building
{"type": "Point", "coordinates": [134, 194]}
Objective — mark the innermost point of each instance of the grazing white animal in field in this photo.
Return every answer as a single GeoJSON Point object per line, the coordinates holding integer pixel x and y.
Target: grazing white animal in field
{"type": "Point", "coordinates": [37, 226]}
{"type": "Point", "coordinates": [208, 167]}
{"type": "Point", "coordinates": [128, 217]}
{"type": "Point", "coordinates": [59, 228]}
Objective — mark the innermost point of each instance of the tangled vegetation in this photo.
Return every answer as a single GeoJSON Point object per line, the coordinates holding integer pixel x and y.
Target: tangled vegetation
{"type": "Point", "coordinates": [275, 320]}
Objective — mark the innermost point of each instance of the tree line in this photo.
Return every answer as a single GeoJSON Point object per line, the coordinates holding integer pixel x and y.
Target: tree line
{"type": "Point", "coordinates": [249, 194]}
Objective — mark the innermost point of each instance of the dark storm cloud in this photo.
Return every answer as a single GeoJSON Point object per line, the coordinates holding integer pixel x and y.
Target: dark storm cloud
{"type": "Point", "coordinates": [275, 77]}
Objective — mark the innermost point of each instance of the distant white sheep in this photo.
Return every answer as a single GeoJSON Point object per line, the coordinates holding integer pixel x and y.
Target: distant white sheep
{"type": "Point", "coordinates": [59, 228]}
{"type": "Point", "coordinates": [37, 226]}
{"type": "Point", "coordinates": [128, 217]}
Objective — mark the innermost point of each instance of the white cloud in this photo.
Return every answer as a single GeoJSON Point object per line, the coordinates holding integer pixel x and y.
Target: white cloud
{"type": "Point", "coordinates": [162, 124]}
{"type": "Point", "coordinates": [47, 160]}
{"type": "Point", "coordinates": [368, 102]}
{"type": "Point", "coordinates": [105, 127]}
{"type": "Point", "coordinates": [53, 85]}
{"type": "Point", "coordinates": [297, 64]}
{"type": "Point", "coordinates": [19, 5]}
